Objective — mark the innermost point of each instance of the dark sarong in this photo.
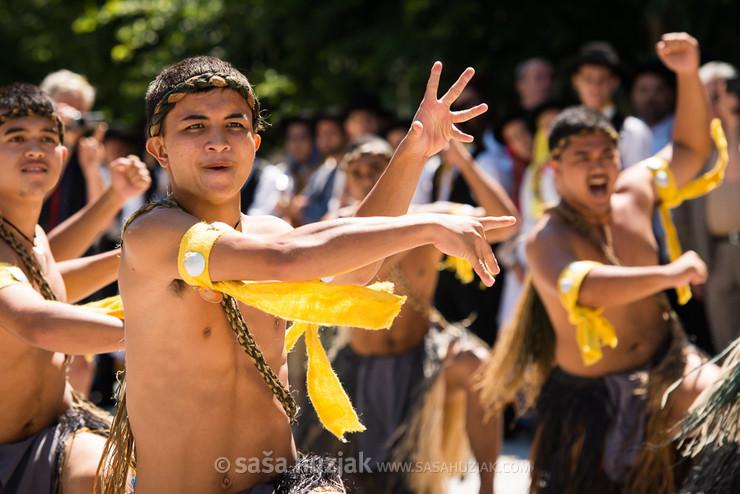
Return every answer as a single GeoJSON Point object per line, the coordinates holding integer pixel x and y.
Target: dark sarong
{"type": "Point", "coordinates": [34, 465]}
{"type": "Point", "coordinates": [592, 433]}
{"type": "Point", "coordinates": [386, 391]}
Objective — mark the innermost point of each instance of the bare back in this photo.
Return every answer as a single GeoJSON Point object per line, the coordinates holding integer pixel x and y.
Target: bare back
{"type": "Point", "coordinates": [193, 395]}
{"type": "Point", "coordinates": [641, 326]}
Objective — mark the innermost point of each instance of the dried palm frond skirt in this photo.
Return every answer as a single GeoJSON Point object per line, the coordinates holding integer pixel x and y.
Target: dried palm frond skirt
{"type": "Point", "coordinates": [609, 434]}
{"type": "Point", "coordinates": [410, 425]}
{"type": "Point", "coordinates": [711, 432]}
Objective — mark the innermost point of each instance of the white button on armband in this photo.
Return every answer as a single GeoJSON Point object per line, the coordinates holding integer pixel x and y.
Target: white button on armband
{"type": "Point", "coordinates": [566, 283]}
{"type": "Point", "coordinates": [220, 226]}
{"type": "Point", "coordinates": [661, 178]}
{"type": "Point", "coordinates": [327, 279]}
{"type": "Point", "coordinates": [653, 163]}
{"type": "Point", "coordinates": [17, 274]}
{"type": "Point", "coordinates": [194, 263]}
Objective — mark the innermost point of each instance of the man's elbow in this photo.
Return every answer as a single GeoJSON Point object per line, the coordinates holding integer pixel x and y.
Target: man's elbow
{"type": "Point", "coordinates": [32, 330]}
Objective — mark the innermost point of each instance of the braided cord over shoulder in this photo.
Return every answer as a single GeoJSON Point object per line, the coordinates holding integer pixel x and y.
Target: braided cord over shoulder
{"type": "Point", "coordinates": [245, 339]}
{"type": "Point", "coordinates": [28, 261]}
{"type": "Point", "coordinates": [239, 327]}
{"type": "Point", "coordinates": [197, 83]}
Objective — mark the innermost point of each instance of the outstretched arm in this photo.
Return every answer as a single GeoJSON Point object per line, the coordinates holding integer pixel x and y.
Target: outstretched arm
{"type": "Point", "coordinates": [550, 252]}
{"type": "Point", "coordinates": [57, 326]}
{"type": "Point", "coordinates": [432, 128]}
{"type": "Point", "coordinates": [312, 251]}
{"type": "Point", "coordinates": [86, 275]}
{"type": "Point", "coordinates": [129, 178]}
{"type": "Point", "coordinates": [691, 140]}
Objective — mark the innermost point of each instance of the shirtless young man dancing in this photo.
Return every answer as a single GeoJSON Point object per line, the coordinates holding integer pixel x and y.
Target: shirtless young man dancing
{"type": "Point", "coordinates": [192, 396]}
{"type": "Point", "coordinates": [44, 446]}
{"type": "Point", "coordinates": [395, 377]}
{"type": "Point", "coordinates": [599, 409]}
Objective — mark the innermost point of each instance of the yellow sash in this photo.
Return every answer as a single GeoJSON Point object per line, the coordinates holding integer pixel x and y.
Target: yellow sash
{"type": "Point", "coordinates": [12, 275]}
{"type": "Point", "coordinates": [671, 196]}
{"type": "Point", "coordinates": [310, 304]}
{"type": "Point", "coordinates": [592, 329]}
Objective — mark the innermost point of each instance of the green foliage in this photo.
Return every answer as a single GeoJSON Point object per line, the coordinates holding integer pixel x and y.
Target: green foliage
{"type": "Point", "coordinates": [310, 55]}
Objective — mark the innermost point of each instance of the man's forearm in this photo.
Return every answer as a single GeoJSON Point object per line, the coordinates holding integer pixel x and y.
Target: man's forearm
{"type": "Point", "coordinates": [86, 275]}
{"type": "Point", "coordinates": [491, 196]}
{"type": "Point", "coordinates": [321, 249]}
{"type": "Point", "coordinates": [60, 327]}
{"type": "Point", "coordinates": [393, 192]}
{"type": "Point", "coordinates": [612, 286]}
{"type": "Point", "coordinates": [73, 237]}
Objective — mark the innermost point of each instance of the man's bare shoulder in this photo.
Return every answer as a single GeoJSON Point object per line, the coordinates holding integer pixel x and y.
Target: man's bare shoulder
{"type": "Point", "coordinates": [152, 240]}
{"type": "Point", "coordinates": [636, 182]}
{"type": "Point", "coordinates": [264, 225]}
{"type": "Point", "coordinates": [549, 233]}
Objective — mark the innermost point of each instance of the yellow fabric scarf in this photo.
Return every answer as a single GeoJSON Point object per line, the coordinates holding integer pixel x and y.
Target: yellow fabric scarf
{"type": "Point", "coordinates": [13, 275]}
{"type": "Point", "coordinates": [593, 330]}
{"type": "Point", "coordinates": [310, 304]}
{"type": "Point", "coordinates": [671, 196]}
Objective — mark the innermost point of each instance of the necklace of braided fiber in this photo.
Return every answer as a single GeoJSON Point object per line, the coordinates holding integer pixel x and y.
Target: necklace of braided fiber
{"type": "Point", "coordinates": [28, 261]}
{"type": "Point", "coordinates": [31, 266]}
{"type": "Point", "coordinates": [415, 299]}
{"type": "Point", "coordinates": [243, 336]}
{"type": "Point", "coordinates": [579, 223]}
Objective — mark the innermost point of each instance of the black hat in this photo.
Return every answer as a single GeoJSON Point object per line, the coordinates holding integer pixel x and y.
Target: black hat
{"type": "Point", "coordinates": [595, 53]}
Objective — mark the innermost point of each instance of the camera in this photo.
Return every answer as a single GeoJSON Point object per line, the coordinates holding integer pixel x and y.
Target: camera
{"type": "Point", "coordinates": [86, 121]}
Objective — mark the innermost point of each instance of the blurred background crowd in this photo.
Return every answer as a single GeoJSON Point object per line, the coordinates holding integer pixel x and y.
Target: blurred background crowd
{"type": "Point", "coordinates": [333, 71]}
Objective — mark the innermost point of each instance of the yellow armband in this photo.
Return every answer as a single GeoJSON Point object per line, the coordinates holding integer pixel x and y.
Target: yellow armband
{"type": "Point", "coordinates": [592, 329]}
{"type": "Point", "coordinates": [671, 196]}
{"type": "Point", "coordinates": [12, 275]}
{"type": "Point", "coordinates": [310, 304]}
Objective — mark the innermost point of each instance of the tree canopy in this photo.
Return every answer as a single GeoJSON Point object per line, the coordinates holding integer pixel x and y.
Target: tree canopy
{"type": "Point", "coordinates": [311, 55]}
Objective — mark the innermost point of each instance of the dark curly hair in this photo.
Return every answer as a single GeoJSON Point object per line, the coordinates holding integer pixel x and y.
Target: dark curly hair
{"type": "Point", "coordinates": [22, 99]}
{"type": "Point", "coordinates": [178, 75]}
{"type": "Point", "coordinates": [577, 121]}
